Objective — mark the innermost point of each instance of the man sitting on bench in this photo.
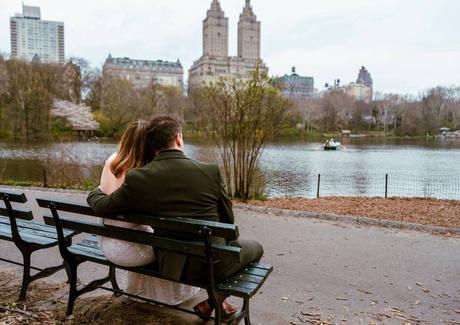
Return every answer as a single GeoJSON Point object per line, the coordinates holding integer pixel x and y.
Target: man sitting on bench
{"type": "Point", "coordinates": [173, 185]}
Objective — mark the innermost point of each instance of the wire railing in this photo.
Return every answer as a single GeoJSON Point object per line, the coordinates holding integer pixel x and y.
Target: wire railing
{"type": "Point", "coordinates": [364, 185]}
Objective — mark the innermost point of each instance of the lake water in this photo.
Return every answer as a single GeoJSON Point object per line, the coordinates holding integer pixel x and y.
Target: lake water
{"type": "Point", "coordinates": [414, 168]}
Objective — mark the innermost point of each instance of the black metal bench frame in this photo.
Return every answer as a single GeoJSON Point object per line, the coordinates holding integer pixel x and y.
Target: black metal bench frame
{"type": "Point", "coordinates": [244, 284]}
{"type": "Point", "coordinates": [29, 237]}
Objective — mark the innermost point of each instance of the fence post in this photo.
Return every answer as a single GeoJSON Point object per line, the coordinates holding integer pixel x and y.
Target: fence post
{"type": "Point", "coordinates": [286, 187]}
{"type": "Point", "coordinates": [386, 186]}
{"type": "Point", "coordinates": [45, 183]}
{"type": "Point", "coordinates": [319, 182]}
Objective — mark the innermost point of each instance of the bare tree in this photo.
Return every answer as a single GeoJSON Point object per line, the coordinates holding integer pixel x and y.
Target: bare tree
{"type": "Point", "coordinates": [26, 92]}
{"type": "Point", "coordinates": [337, 109]}
{"type": "Point", "coordinates": [438, 108]}
{"type": "Point", "coordinates": [242, 116]}
{"type": "Point", "coordinates": [116, 102]}
{"type": "Point", "coordinates": [159, 99]}
{"type": "Point", "coordinates": [120, 103]}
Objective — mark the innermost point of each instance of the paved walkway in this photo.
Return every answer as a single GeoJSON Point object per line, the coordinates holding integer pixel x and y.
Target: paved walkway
{"type": "Point", "coordinates": [340, 272]}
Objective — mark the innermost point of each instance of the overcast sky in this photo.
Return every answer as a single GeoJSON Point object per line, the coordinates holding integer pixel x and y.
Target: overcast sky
{"type": "Point", "coordinates": [407, 45]}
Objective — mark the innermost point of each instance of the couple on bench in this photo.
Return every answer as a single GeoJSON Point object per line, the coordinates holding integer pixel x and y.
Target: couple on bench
{"type": "Point", "coordinates": [151, 175]}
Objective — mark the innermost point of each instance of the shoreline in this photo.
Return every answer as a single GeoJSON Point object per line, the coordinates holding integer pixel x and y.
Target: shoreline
{"type": "Point", "coordinates": [283, 136]}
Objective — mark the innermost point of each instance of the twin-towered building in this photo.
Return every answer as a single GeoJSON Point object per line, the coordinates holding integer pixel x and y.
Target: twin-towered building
{"type": "Point", "coordinates": [216, 63]}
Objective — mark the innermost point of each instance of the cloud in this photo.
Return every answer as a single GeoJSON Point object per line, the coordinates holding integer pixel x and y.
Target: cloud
{"type": "Point", "coordinates": [407, 45]}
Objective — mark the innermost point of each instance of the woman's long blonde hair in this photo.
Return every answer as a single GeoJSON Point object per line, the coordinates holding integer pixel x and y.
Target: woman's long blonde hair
{"type": "Point", "coordinates": [132, 151]}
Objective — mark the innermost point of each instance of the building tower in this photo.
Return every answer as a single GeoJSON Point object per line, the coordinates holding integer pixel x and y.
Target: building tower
{"type": "Point", "coordinates": [248, 34]}
{"type": "Point", "coordinates": [215, 32]}
{"type": "Point", "coordinates": [365, 78]}
{"type": "Point", "coordinates": [33, 37]}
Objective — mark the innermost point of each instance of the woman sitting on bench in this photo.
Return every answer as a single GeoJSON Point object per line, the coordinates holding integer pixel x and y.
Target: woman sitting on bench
{"type": "Point", "coordinates": [132, 154]}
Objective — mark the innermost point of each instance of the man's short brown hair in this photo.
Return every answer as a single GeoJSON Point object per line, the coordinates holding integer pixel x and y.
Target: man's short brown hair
{"type": "Point", "coordinates": [162, 131]}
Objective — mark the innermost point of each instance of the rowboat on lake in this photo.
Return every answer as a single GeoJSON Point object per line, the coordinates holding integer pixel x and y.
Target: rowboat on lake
{"type": "Point", "coordinates": [331, 145]}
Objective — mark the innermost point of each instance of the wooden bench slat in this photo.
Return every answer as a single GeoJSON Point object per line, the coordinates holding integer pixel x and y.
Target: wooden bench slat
{"type": "Point", "coordinates": [248, 278]}
{"type": "Point", "coordinates": [90, 243]}
{"type": "Point", "coordinates": [255, 271]}
{"type": "Point", "coordinates": [262, 266]}
{"type": "Point", "coordinates": [187, 247]}
{"type": "Point", "coordinates": [24, 231]}
{"type": "Point", "coordinates": [244, 284]}
{"type": "Point", "coordinates": [247, 282]}
{"type": "Point", "coordinates": [67, 206]}
{"type": "Point", "coordinates": [236, 284]}
{"type": "Point", "coordinates": [5, 235]}
{"type": "Point", "coordinates": [183, 225]}
{"type": "Point", "coordinates": [89, 255]}
{"type": "Point", "coordinates": [88, 250]}
{"type": "Point", "coordinates": [30, 238]}
{"type": "Point", "coordinates": [241, 292]}
{"type": "Point", "coordinates": [18, 213]}
{"type": "Point", "coordinates": [177, 224]}
{"type": "Point", "coordinates": [14, 196]}
{"type": "Point", "coordinates": [35, 226]}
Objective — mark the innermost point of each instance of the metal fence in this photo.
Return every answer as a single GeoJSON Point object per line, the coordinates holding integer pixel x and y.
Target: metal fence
{"type": "Point", "coordinates": [386, 185]}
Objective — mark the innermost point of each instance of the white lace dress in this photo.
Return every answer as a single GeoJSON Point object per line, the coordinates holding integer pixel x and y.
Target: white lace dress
{"type": "Point", "coordinates": [133, 255]}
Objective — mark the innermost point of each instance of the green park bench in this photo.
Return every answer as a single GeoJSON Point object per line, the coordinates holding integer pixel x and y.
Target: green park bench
{"type": "Point", "coordinates": [80, 217]}
{"type": "Point", "coordinates": [16, 225]}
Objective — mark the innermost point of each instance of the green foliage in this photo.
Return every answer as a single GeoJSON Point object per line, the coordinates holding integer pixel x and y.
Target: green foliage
{"type": "Point", "coordinates": [60, 126]}
{"type": "Point", "coordinates": [107, 127]}
{"type": "Point", "coordinates": [88, 185]}
{"type": "Point", "coordinates": [10, 182]}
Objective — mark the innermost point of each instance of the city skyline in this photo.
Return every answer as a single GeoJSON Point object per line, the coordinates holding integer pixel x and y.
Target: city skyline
{"type": "Point", "coordinates": [407, 47]}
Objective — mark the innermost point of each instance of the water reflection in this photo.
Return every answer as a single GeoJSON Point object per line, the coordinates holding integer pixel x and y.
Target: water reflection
{"type": "Point", "coordinates": [291, 168]}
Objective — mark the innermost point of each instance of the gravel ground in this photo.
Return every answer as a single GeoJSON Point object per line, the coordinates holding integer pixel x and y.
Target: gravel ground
{"type": "Point", "coordinates": [441, 213]}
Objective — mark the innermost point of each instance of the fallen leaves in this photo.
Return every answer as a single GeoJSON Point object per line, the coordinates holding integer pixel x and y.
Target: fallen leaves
{"type": "Point", "coordinates": [412, 210]}
{"type": "Point", "coordinates": [364, 291]}
{"type": "Point", "coordinates": [400, 314]}
{"type": "Point", "coordinates": [419, 284]}
{"type": "Point", "coordinates": [313, 319]}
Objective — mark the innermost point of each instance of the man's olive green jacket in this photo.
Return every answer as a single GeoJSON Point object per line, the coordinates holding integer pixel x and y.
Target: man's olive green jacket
{"type": "Point", "coordinates": [172, 185]}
